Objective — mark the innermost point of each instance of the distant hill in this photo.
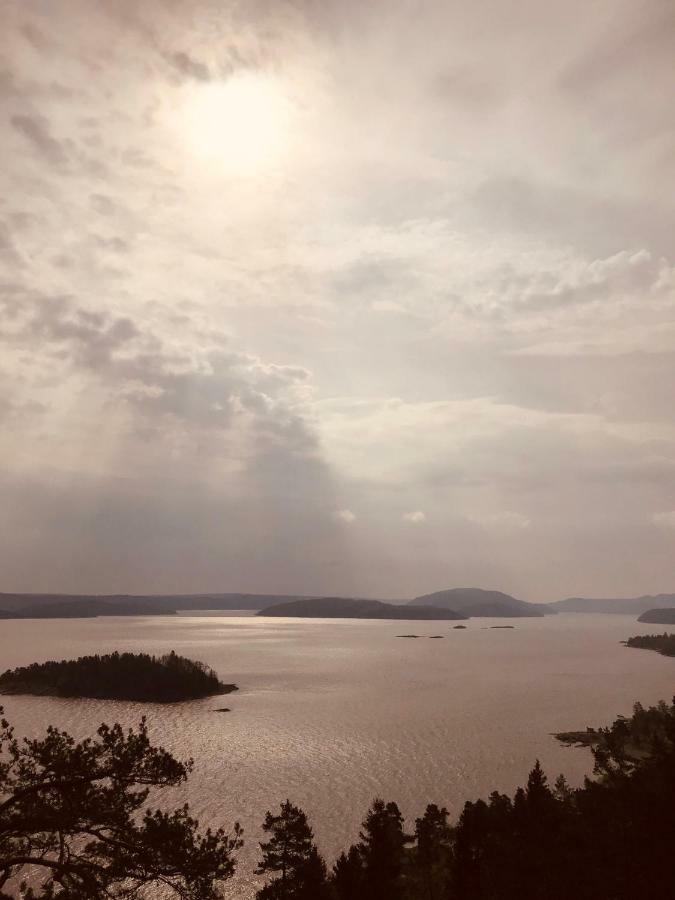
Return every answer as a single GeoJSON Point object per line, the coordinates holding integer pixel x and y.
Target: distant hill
{"type": "Point", "coordinates": [658, 616]}
{"type": "Point", "coordinates": [351, 608]}
{"type": "Point", "coordinates": [617, 605]}
{"type": "Point", "coordinates": [66, 606]}
{"type": "Point", "coordinates": [476, 602]}
{"type": "Point", "coordinates": [87, 609]}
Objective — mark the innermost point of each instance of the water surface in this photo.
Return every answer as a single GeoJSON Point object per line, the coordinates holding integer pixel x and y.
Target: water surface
{"type": "Point", "coordinates": [333, 712]}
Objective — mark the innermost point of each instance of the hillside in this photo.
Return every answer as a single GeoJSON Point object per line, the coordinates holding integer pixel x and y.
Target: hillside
{"type": "Point", "coordinates": [476, 602]}
{"type": "Point", "coordinates": [59, 606]}
{"type": "Point", "coordinates": [117, 676]}
{"type": "Point", "coordinates": [350, 608]}
{"type": "Point", "coordinates": [617, 605]}
{"type": "Point", "coordinates": [658, 616]}
{"type": "Point", "coordinates": [87, 609]}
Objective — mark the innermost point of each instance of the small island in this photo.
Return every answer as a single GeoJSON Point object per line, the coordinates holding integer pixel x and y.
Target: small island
{"type": "Point", "coordinates": [662, 643]}
{"type": "Point", "coordinates": [118, 676]}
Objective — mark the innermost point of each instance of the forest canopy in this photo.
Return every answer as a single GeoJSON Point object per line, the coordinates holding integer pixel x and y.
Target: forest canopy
{"type": "Point", "coordinates": [118, 676]}
{"type": "Point", "coordinates": [662, 643]}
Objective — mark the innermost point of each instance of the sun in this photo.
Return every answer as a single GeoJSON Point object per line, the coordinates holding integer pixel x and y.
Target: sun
{"type": "Point", "coordinates": [240, 125]}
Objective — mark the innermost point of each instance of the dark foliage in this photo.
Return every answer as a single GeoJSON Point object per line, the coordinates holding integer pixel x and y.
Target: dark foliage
{"type": "Point", "coordinates": [72, 812]}
{"type": "Point", "coordinates": [291, 855]}
{"type": "Point", "coordinates": [662, 643]}
{"type": "Point", "coordinates": [611, 839]}
{"type": "Point", "coordinates": [373, 868]}
{"type": "Point", "coordinates": [71, 818]}
{"type": "Point", "coordinates": [118, 676]}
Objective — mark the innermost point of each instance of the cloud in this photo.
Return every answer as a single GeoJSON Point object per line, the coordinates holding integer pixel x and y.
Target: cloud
{"type": "Point", "coordinates": [664, 519]}
{"type": "Point", "coordinates": [459, 307]}
{"type": "Point", "coordinates": [345, 515]}
{"type": "Point", "coordinates": [36, 129]}
{"type": "Point", "coordinates": [184, 64]}
{"type": "Point", "coordinates": [506, 520]}
{"type": "Point", "coordinates": [416, 517]}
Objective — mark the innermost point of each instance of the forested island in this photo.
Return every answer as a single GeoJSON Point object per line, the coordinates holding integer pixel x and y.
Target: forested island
{"type": "Point", "coordinates": [350, 608]}
{"type": "Point", "coordinates": [662, 643]}
{"type": "Point", "coordinates": [118, 676]}
{"type": "Point", "coordinates": [69, 813]}
{"type": "Point", "coordinates": [84, 606]}
{"type": "Point", "coordinates": [658, 616]}
{"type": "Point", "coordinates": [616, 605]}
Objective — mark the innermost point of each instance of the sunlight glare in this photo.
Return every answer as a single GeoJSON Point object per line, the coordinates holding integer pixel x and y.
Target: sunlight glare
{"type": "Point", "coordinates": [241, 125]}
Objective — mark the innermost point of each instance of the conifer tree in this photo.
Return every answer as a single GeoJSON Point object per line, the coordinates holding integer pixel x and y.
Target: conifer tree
{"type": "Point", "coordinates": [72, 815]}
{"type": "Point", "coordinates": [347, 880]}
{"type": "Point", "coordinates": [382, 847]}
{"type": "Point", "coordinates": [433, 849]}
{"type": "Point", "coordinates": [291, 854]}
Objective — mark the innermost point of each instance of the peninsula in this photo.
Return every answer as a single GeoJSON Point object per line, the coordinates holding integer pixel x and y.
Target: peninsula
{"type": "Point", "coordinates": [662, 643]}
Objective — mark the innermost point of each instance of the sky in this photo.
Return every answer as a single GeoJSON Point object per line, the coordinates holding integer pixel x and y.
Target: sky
{"type": "Point", "coordinates": [333, 297]}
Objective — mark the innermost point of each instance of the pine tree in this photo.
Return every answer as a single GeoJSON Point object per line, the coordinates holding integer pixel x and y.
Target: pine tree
{"type": "Point", "coordinates": [71, 814]}
{"type": "Point", "coordinates": [433, 851]}
{"type": "Point", "coordinates": [381, 848]}
{"type": "Point", "coordinates": [292, 853]}
{"type": "Point", "coordinates": [348, 875]}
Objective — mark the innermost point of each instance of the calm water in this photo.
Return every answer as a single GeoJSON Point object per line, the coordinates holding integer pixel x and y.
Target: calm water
{"type": "Point", "coordinates": [331, 713]}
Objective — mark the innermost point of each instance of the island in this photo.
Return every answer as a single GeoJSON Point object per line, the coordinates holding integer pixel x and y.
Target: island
{"type": "Point", "coordinates": [85, 606]}
{"type": "Point", "coordinates": [614, 605]}
{"type": "Point", "coordinates": [118, 676]}
{"type": "Point", "coordinates": [664, 616]}
{"type": "Point", "coordinates": [662, 643]}
{"type": "Point", "coordinates": [479, 603]}
{"type": "Point", "coordinates": [351, 608]}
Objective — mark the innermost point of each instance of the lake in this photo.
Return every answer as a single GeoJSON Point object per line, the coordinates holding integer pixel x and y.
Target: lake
{"type": "Point", "coordinates": [331, 713]}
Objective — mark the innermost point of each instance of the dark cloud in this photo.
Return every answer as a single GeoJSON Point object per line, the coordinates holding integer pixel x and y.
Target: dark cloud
{"type": "Point", "coordinates": [188, 67]}
{"type": "Point", "coordinates": [102, 204]}
{"type": "Point", "coordinates": [36, 129]}
{"type": "Point", "coordinates": [210, 389]}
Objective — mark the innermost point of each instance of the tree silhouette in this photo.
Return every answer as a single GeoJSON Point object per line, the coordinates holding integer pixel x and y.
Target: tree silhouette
{"type": "Point", "coordinates": [70, 813]}
{"type": "Point", "coordinates": [381, 848]}
{"type": "Point", "coordinates": [433, 851]}
{"type": "Point", "coordinates": [292, 853]}
{"type": "Point", "coordinates": [348, 878]}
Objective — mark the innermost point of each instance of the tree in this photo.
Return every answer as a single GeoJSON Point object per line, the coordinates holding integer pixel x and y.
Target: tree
{"type": "Point", "coordinates": [292, 853]}
{"type": "Point", "coordinates": [347, 877]}
{"type": "Point", "coordinates": [433, 851]}
{"type": "Point", "coordinates": [381, 847]}
{"type": "Point", "coordinates": [69, 812]}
